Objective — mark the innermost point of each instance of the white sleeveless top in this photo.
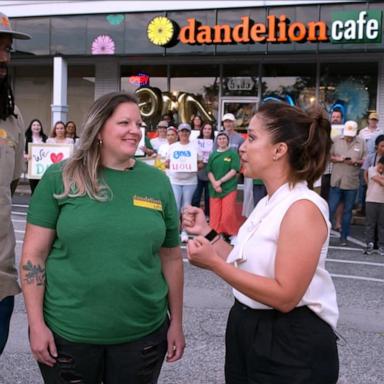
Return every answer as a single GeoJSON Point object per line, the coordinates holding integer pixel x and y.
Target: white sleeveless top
{"type": "Point", "coordinates": [255, 250]}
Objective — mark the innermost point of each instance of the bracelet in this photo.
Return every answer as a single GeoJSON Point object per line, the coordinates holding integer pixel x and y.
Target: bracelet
{"type": "Point", "coordinates": [211, 235]}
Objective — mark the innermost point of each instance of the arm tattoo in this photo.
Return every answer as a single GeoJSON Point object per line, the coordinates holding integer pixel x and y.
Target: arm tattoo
{"type": "Point", "coordinates": [34, 273]}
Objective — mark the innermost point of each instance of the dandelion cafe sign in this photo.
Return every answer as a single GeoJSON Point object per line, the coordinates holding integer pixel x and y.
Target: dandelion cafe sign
{"type": "Point", "coordinates": [345, 27]}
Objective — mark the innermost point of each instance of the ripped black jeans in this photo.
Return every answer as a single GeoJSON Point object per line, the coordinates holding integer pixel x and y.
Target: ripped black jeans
{"type": "Point", "coordinates": [137, 362]}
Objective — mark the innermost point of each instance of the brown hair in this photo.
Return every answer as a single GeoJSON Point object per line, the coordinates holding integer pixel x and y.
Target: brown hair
{"type": "Point", "coordinates": [307, 135]}
{"type": "Point", "coordinates": [81, 171]}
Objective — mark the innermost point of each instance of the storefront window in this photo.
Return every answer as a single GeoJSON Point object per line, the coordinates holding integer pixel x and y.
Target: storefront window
{"type": "Point", "coordinates": [149, 83]}
{"type": "Point", "coordinates": [195, 91]}
{"type": "Point", "coordinates": [293, 83]}
{"type": "Point", "coordinates": [353, 87]}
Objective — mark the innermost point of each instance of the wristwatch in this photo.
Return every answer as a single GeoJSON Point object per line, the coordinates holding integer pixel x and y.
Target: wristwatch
{"type": "Point", "coordinates": [211, 235]}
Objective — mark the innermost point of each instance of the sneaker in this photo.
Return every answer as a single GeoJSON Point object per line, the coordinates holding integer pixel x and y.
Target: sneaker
{"type": "Point", "coordinates": [369, 249]}
{"type": "Point", "coordinates": [381, 251]}
{"type": "Point", "coordinates": [183, 237]}
{"type": "Point", "coordinates": [343, 242]}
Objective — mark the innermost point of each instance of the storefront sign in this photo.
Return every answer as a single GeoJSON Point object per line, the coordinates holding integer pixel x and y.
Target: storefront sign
{"type": "Point", "coordinates": [240, 84]}
{"type": "Point", "coordinates": [346, 27]}
{"type": "Point", "coordinates": [140, 80]}
{"type": "Point", "coordinates": [44, 155]}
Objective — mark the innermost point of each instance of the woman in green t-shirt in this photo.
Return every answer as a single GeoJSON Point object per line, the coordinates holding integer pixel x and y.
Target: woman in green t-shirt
{"type": "Point", "coordinates": [101, 264]}
{"type": "Point", "coordinates": [223, 166]}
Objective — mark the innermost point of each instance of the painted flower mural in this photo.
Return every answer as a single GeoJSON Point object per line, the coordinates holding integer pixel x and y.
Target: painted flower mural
{"type": "Point", "coordinates": [103, 45]}
{"type": "Point", "coordinates": [160, 30]}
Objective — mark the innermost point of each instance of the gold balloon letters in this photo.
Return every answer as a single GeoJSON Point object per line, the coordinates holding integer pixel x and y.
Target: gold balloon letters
{"type": "Point", "coordinates": [153, 104]}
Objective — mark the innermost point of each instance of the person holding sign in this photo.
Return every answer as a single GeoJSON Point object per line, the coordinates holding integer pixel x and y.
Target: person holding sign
{"type": "Point", "coordinates": [222, 168]}
{"type": "Point", "coordinates": [103, 230]}
{"type": "Point", "coordinates": [58, 135]}
{"type": "Point", "coordinates": [205, 144]}
{"type": "Point", "coordinates": [281, 326]}
{"type": "Point", "coordinates": [183, 160]}
{"type": "Point", "coordinates": [35, 135]}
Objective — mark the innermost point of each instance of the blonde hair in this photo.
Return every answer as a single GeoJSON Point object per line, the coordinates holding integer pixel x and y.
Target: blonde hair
{"type": "Point", "coordinates": [81, 171]}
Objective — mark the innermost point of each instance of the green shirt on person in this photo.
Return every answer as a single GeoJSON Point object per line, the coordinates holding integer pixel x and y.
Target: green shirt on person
{"type": "Point", "coordinates": [104, 282]}
{"type": "Point", "coordinates": [220, 163]}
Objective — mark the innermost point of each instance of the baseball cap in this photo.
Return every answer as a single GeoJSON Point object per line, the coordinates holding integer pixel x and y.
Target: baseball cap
{"type": "Point", "coordinates": [373, 116]}
{"type": "Point", "coordinates": [350, 128]}
{"type": "Point", "coordinates": [172, 128]}
{"type": "Point", "coordinates": [162, 124]}
{"type": "Point", "coordinates": [5, 28]}
{"type": "Point", "coordinates": [228, 116]}
{"type": "Point", "coordinates": [184, 126]}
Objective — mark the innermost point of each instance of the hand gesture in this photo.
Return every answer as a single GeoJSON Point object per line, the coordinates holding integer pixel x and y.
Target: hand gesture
{"type": "Point", "coordinates": [202, 254]}
{"type": "Point", "coordinates": [193, 221]}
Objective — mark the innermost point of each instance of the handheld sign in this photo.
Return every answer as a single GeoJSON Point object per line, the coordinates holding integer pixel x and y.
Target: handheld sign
{"type": "Point", "coordinates": [41, 156]}
{"type": "Point", "coordinates": [336, 130]}
{"type": "Point", "coordinates": [205, 146]}
{"type": "Point", "coordinates": [140, 152]}
{"type": "Point", "coordinates": [181, 160]}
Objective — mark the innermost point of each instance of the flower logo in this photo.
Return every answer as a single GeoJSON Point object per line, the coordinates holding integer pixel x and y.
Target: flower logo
{"type": "Point", "coordinates": [103, 45]}
{"type": "Point", "coordinates": [160, 30]}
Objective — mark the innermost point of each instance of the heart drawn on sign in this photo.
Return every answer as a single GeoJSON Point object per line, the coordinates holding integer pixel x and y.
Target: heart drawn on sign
{"type": "Point", "coordinates": [56, 157]}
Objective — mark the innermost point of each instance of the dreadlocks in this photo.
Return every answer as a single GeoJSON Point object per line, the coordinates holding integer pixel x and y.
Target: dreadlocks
{"type": "Point", "coordinates": [7, 101]}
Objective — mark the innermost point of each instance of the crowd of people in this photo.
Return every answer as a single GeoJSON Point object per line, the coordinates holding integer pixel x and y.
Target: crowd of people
{"type": "Point", "coordinates": [103, 236]}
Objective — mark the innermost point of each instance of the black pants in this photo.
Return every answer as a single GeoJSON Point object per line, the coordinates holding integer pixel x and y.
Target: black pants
{"type": "Point", "coordinates": [271, 347]}
{"type": "Point", "coordinates": [137, 362]}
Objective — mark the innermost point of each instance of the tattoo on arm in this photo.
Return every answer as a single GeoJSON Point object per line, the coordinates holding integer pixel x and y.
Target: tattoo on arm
{"type": "Point", "coordinates": [34, 273]}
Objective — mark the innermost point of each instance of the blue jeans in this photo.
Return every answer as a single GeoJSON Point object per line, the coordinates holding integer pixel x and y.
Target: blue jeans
{"type": "Point", "coordinates": [183, 194]}
{"type": "Point", "coordinates": [335, 196]}
{"type": "Point", "coordinates": [6, 309]}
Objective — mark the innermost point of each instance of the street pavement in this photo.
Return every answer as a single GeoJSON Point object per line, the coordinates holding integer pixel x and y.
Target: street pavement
{"type": "Point", "coordinates": [359, 281]}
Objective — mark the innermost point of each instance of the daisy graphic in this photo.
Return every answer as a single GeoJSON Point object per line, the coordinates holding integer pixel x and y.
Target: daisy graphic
{"type": "Point", "coordinates": [160, 30]}
{"type": "Point", "coordinates": [103, 45]}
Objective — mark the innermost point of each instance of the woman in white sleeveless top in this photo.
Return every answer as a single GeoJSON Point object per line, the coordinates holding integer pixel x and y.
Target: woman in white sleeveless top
{"type": "Point", "coordinates": [281, 327]}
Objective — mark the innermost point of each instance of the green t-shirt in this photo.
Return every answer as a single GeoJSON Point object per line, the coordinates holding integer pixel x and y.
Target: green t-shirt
{"type": "Point", "coordinates": [104, 281]}
{"type": "Point", "coordinates": [220, 163]}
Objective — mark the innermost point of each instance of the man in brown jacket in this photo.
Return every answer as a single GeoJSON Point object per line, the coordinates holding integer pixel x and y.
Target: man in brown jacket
{"type": "Point", "coordinates": [11, 157]}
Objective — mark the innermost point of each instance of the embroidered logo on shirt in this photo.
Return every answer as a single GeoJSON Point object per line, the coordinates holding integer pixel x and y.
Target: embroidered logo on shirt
{"type": "Point", "coordinates": [228, 159]}
{"type": "Point", "coordinates": [3, 133]}
{"type": "Point", "coordinates": [147, 202]}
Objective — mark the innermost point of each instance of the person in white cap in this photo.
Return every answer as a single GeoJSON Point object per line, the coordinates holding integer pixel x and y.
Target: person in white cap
{"type": "Point", "coordinates": [235, 139]}
{"type": "Point", "coordinates": [347, 155]}
{"type": "Point", "coordinates": [11, 159]}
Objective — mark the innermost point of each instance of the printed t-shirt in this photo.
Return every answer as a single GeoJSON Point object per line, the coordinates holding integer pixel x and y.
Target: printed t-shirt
{"type": "Point", "coordinates": [104, 282]}
{"type": "Point", "coordinates": [180, 151]}
{"type": "Point", "coordinates": [220, 163]}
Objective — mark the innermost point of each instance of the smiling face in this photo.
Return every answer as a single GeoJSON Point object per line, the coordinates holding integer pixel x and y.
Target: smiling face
{"type": "Point", "coordinates": [258, 151]}
{"type": "Point", "coordinates": [171, 136]}
{"type": "Point", "coordinates": [71, 128]}
{"type": "Point", "coordinates": [222, 141]}
{"type": "Point", "coordinates": [5, 55]}
{"type": "Point", "coordinates": [184, 136]}
{"type": "Point", "coordinates": [36, 127]}
{"type": "Point", "coordinates": [120, 134]}
{"type": "Point", "coordinates": [59, 131]}
{"type": "Point", "coordinates": [207, 131]}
